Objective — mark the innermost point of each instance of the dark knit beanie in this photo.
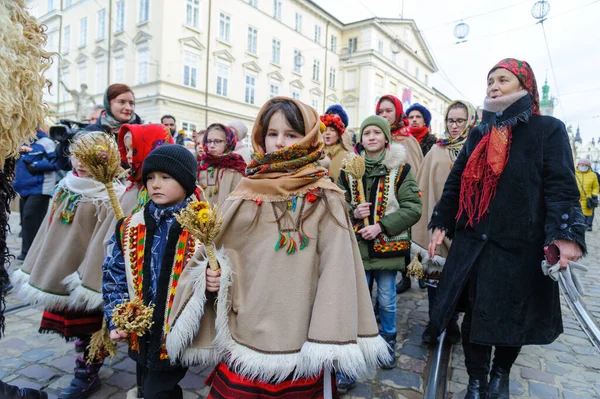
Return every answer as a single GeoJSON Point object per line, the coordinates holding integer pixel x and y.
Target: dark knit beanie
{"type": "Point", "coordinates": [174, 160]}
{"type": "Point", "coordinates": [424, 111]}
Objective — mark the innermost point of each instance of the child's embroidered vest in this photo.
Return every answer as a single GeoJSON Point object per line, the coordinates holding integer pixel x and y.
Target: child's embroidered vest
{"type": "Point", "coordinates": [133, 236]}
{"type": "Point", "coordinates": [383, 198]}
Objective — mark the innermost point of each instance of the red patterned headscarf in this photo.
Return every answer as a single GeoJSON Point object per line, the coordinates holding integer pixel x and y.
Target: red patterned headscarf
{"type": "Point", "coordinates": [144, 138]}
{"type": "Point", "coordinates": [487, 162]}
{"type": "Point", "coordinates": [400, 126]}
{"type": "Point", "coordinates": [229, 159]}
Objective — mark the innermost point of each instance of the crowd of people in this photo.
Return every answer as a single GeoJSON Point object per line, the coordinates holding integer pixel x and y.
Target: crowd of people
{"type": "Point", "coordinates": [306, 242]}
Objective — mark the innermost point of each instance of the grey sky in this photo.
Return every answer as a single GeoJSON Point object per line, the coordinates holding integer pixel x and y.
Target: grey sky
{"type": "Point", "coordinates": [506, 29]}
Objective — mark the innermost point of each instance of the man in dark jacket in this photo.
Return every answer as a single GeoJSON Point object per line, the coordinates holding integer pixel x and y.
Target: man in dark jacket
{"type": "Point", "coordinates": [35, 178]}
{"type": "Point", "coordinates": [170, 123]}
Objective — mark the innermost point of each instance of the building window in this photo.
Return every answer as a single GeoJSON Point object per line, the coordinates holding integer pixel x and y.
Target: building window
{"type": "Point", "coordinates": [252, 40]}
{"type": "Point", "coordinates": [253, 3]}
{"type": "Point", "coordinates": [188, 128]}
{"type": "Point", "coordinates": [277, 9]}
{"type": "Point", "coordinates": [316, 70]}
{"type": "Point", "coordinates": [417, 73]}
{"type": "Point", "coordinates": [250, 89]}
{"type": "Point", "coordinates": [82, 76]}
{"type": "Point", "coordinates": [51, 5]}
{"type": "Point", "coordinates": [68, 3]}
{"type": "Point", "coordinates": [222, 79]}
{"type": "Point", "coordinates": [120, 23]}
{"type": "Point", "coordinates": [298, 61]}
{"type": "Point", "coordinates": [332, 78]}
{"type": "Point", "coordinates": [426, 80]}
{"type": "Point", "coordinates": [298, 22]}
{"type": "Point", "coordinates": [101, 29]}
{"type": "Point", "coordinates": [192, 13]}
{"type": "Point", "coordinates": [83, 32]}
{"type": "Point", "coordinates": [143, 60]}
{"type": "Point", "coordinates": [352, 45]}
{"type": "Point", "coordinates": [333, 43]}
{"type": "Point", "coordinates": [315, 102]}
{"type": "Point", "coordinates": [66, 77]}
{"type": "Point", "coordinates": [67, 39]}
{"type": "Point", "coordinates": [225, 27]}
{"type": "Point", "coordinates": [380, 46]}
{"type": "Point", "coordinates": [406, 65]}
{"type": "Point", "coordinates": [100, 76]}
{"type": "Point", "coordinates": [120, 68]}
{"type": "Point", "coordinates": [318, 33]}
{"type": "Point", "coordinates": [276, 59]}
{"type": "Point", "coordinates": [273, 90]}
{"type": "Point", "coordinates": [296, 95]}
{"type": "Point", "coordinates": [350, 80]}
{"type": "Point", "coordinates": [144, 11]}
{"type": "Point", "coordinates": [394, 57]}
{"type": "Point", "coordinates": [190, 69]}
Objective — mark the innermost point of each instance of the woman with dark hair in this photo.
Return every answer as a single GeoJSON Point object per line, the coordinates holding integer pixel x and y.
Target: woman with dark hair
{"type": "Point", "coordinates": [119, 105]}
{"type": "Point", "coordinates": [511, 191]}
{"type": "Point", "coordinates": [220, 169]}
{"type": "Point", "coordinates": [285, 312]}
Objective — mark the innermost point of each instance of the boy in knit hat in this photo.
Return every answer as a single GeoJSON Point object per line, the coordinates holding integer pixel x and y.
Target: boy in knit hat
{"type": "Point", "coordinates": [151, 246]}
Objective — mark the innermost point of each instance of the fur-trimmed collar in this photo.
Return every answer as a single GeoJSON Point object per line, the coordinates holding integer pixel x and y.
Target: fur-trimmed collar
{"type": "Point", "coordinates": [502, 103]}
{"type": "Point", "coordinates": [395, 156]}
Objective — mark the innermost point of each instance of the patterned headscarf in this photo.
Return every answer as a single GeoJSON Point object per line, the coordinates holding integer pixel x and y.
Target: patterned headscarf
{"type": "Point", "coordinates": [486, 164]}
{"type": "Point", "coordinates": [289, 172]}
{"type": "Point", "coordinates": [399, 127]}
{"type": "Point", "coordinates": [229, 159]}
{"type": "Point", "coordinates": [472, 119]}
{"type": "Point", "coordinates": [522, 70]}
{"type": "Point", "coordinates": [144, 138]}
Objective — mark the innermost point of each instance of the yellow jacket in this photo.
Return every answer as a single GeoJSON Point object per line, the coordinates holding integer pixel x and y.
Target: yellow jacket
{"type": "Point", "coordinates": [588, 186]}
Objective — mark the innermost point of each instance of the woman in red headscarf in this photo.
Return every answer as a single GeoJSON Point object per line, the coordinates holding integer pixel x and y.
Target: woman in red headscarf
{"type": "Point", "coordinates": [511, 192]}
{"type": "Point", "coordinates": [390, 108]}
{"type": "Point", "coordinates": [220, 169]}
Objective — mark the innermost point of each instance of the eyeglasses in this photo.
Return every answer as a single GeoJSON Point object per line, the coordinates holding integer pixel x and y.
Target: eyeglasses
{"type": "Point", "coordinates": [214, 142]}
{"type": "Point", "coordinates": [457, 122]}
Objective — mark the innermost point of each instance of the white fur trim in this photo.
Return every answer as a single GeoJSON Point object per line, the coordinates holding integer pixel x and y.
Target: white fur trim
{"type": "Point", "coordinates": [187, 325]}
{"type": "Point", "coordinates": [313, 356]}
{"type": "Point", "coordinates": [82, 298]}
{"type": "Point", "coordinates": [375, 350]}
{"type": "Point", "coordinates": [72, 281]}
{"type": "Point", "coordinates": [19, 278]}
{"type": "Point", "coordinates": [395, 156]}
{"type": "Point", "coordinates": [35, 297]}
{"type": "Point", "coordinates": [132, 393]}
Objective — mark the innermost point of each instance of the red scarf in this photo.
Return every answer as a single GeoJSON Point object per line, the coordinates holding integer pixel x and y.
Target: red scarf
{"type": "Point", "coordinates": [487, 162]}
{"type": "Point", "coordinates": [144, 139]}
{"type": "Point", "coordinates": [397, 128]}
{"type": "Point", "coordinates": [231, 160]}
{"type": "Point", "coordinates": [419, 132]}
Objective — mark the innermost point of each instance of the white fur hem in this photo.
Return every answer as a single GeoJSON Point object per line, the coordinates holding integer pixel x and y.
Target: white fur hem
{"type": "Point", "coordinates": [375, 350]}
{"type": "Point", "coordinates": [72, 281]}
{"type": "Point", "coordinates": [34, 296]}
{"type": "Point", "coordinates": [83, 298]}
{"type": "Point", "coordinates": [314, 356]}
{"type": "Point", "coordinates": [187, 325]}
{"type": "Point", "coordinates": [19, 278]}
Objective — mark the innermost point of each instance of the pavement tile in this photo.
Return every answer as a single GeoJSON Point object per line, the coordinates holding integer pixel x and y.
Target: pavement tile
{"type": "Point", "coordinates": [38, 373]}
{"type": "Point", "coordinates": [543, 391]}
{"type": "Point", "coordinates": [36, 355]}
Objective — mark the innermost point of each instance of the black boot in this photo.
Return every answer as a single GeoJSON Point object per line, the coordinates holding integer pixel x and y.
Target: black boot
{"type": "Point", "coordinates": [430, 335]}
{"type": "Point", "coordinates": [499, 383]}
{"type": "Point", "coordinates": [86, 381]}
{"type": "Point", "coordinates": [477, 389]}
{"type": "Point", "coordinates": [403, 285]}
{"type": "Point", "coordinates": [12, 392]}
{"type": "Point", "coordinates": [453, 332]}
{"type": "Point", "coordinates": [391, 341]}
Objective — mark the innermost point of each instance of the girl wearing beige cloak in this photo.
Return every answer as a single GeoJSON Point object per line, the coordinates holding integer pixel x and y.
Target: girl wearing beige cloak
{"type": "Point", "coordinates": [460, 117]}
{"type": "Point", "coordinates": [292, 299]}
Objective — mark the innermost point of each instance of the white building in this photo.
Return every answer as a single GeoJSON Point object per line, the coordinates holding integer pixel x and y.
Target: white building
{"type": "Point", "coordinates": [205, 61]}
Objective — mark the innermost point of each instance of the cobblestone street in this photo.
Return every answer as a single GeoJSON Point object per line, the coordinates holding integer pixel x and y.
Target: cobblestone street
{"type": "Point", "coordinates": [569, 368]}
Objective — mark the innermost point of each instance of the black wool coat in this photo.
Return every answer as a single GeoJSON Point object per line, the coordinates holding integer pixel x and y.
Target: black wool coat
{"type": "Point", "coordinates": [499, 258]}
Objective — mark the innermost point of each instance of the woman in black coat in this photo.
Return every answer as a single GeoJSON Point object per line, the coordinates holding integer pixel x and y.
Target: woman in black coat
{"type": "Point", "coordinates": [511, 192]}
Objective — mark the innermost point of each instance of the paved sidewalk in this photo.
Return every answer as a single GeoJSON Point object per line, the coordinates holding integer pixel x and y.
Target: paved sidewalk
{"type": "Point", "coordinates": [569, 368]}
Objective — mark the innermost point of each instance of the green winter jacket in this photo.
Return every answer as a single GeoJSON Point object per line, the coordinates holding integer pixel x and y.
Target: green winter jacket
{"type": "Point", "coordinates": [409, 213]}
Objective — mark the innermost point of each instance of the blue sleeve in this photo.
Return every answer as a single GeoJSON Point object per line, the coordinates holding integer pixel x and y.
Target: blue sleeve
{"type": "Point", "coordinates": [114, 280]}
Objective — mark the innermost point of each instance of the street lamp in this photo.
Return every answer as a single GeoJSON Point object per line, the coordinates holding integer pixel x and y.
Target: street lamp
{"type": "Point", "coordinates": [540, 10]}
{"type": "Point", "coordinates": [461, 31]}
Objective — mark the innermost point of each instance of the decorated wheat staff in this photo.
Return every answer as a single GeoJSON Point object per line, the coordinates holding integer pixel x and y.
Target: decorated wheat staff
{"type": "Point", "coordinates": [205, 224]}
{"type": "Point", "coordinates": [100, 155]}
{"type": "Point", "coordinates": [355, 167]}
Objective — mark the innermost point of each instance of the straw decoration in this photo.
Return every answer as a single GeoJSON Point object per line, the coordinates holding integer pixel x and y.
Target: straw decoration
{"type": "Point", "coordinates": [355, 167]}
